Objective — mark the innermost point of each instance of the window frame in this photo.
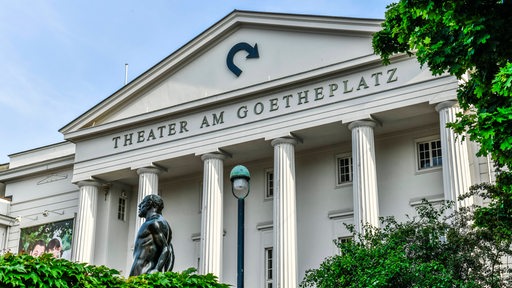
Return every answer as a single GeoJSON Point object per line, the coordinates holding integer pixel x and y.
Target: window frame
{"type": "Point", "coordinates": [200, 200]}
{"type": "Point", "coordinates": [121, 208]}
{"type": "Point", "coordinates": [344, 239]}
{"type": "Point", "coordinates": [417, 160]}
{"type": "Point", "coordinates": [268, 277]}
{"type": "Point", "coordinates": [338, 178]}
{"type": "Point", "coordinates": [269, 187]}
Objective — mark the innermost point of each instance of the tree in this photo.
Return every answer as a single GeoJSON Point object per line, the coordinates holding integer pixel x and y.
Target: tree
{"type": "Point", "coordinates": [430, 250]}
{"type": "Point", "coordinates": [471, 40]}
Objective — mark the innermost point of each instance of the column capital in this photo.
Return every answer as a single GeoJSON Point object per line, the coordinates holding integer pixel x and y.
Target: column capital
{"type": "Point", "coordinates": [362, 123]}
{"type": "Point", "coordinates": [446, 104]}
{"type": "Point", "coordinates": [84, 183]}
{"type": "Point", "coordinates": [208, 156]}
{"type": "Point", "coordinates": [149, 169]}
{"type": "Point", "coordinates": [284, 140]}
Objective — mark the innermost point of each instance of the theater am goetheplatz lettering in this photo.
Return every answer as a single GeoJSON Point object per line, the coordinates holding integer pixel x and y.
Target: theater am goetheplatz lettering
{"type": "Point", "coordinates": [263, 107]}
{"type": "Point", "coordinates": [329, 134]}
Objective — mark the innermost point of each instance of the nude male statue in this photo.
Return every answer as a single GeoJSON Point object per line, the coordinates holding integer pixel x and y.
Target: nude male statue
{"type": "Point", "coordinates": [153, 251]}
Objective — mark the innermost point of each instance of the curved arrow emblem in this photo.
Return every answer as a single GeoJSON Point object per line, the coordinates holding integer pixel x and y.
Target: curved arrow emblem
{"type": "Point", "coordinates": [252, 52]}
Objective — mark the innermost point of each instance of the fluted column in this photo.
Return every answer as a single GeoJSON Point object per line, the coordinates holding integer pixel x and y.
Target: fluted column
{"type": "Point", "coordinates": [212, 214]}
{"type": "Point", "coordinates": [148, 184]}
{"type": "Point", "coordinates": [456, 174]}
{"type": "Point", "coordinates": [83, 245]}
{"type": "Point", "coordinates": [285, 214]}
{"type": "Point", "coordinates": [366, 199]}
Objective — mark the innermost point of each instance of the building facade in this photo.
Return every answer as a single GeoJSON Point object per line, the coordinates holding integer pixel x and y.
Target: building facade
{"type": "Point", "coordinates": [329, 134]}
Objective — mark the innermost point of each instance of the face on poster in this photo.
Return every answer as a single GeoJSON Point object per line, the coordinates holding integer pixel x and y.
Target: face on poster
{"type": "Point", "coordinates": [54, 238]}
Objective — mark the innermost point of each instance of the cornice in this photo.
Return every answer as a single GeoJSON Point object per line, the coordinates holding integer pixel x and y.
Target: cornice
{"type": "Point", "coordinates": [7, 220]}
{"type": "Point", "coordinates": [33, 169]}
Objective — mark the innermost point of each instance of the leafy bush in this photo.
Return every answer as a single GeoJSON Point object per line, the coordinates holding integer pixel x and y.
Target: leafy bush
{"type": "Point", "coordinates": [431, 250]}
{"type": "Point", "coordinates": [186, 278]}
{"type": "Point", "coordinates": [45, 271]}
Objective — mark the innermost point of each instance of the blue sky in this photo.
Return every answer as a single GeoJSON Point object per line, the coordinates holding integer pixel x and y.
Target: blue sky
{"type": "Point", "coordinates": [58, 58]}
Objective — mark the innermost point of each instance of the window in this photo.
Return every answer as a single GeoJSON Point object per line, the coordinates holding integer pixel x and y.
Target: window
{"type": "Point", "coordinates": [121, 209]}
{"type": "Point", "coordinates": [196, 238]}
{"type": "Point", "coordinates": [269, 184]}
{"type": "Point", "coordinates": [429, 154]}
{"type": "Point", "coordinates": [268, 267]}
{"type": "Point", "coordinates": [344, 239]}
{"type": "Point", "coordinates": [265, 259]}
{"type": "Point", "coordinates": [200, 196]}
{"type": "Point", "coordinates": [343, 169]}
{"type": "Point", "coordinates": [340, 231]}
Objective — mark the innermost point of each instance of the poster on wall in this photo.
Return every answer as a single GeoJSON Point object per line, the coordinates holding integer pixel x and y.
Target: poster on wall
{"type": "Point", "coordinates": [54, 238]}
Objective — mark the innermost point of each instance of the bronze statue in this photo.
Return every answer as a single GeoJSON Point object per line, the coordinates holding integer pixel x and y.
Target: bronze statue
{"type": "Point", "coordinates": [153, 251]}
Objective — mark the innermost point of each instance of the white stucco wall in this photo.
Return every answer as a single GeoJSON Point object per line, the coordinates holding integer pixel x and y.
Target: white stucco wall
{"type": "Point", "coordinates": [182, 206]}
{"type": "Point", "coordinates": [52, 191]}
{"type": "Point", "coordinates": [112, 241]}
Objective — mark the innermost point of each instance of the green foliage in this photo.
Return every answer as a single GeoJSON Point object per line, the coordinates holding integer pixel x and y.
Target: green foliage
{"type": "Point", "coordinates": [450, 36]}
{"type": "Point", "coordinates": [497, 215]}
{"type": "Point", "coordinates": [471, 40]}
{"type": "Point", "coordinates": [45, 271]}
{"type": "Point", "coordinates": [186, 278]}
{"type": "Point", "coordinates": [430, 250]}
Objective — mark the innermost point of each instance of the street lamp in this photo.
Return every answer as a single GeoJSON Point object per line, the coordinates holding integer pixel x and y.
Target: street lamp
{"type": "Point", "coordinates": [240, 177]}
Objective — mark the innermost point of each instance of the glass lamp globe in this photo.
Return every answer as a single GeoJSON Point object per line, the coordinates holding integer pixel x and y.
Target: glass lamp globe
{"type": "Point", "coordinates": [240, 177]}
{"type": "Point", "coordinates": [240, 188]}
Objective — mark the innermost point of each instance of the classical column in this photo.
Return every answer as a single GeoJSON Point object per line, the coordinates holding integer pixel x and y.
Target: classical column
{"type": "Point", "coordinates": [366, 198]}
{"type": "Point", "coordinates": [211, 215]}
{"type": "Point", "coordinates": [456, 174]}
{"type": "Point", "coordinates": [148, 184]}
{"type": "Point", "coordinates": [83, 245]}
{"type": "Point", "coordinates": [285, 214]}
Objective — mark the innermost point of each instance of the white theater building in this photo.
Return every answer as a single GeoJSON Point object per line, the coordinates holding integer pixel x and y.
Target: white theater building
{"type": "Point", "coordinates": [329, 135]}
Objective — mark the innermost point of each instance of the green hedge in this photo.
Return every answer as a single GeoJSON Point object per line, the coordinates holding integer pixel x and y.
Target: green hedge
{"type": "Point", "coordinates": [46, 271]}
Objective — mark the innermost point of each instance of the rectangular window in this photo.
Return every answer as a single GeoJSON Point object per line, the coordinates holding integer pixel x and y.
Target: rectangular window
{"type": "Point", "coordinates": [200, 196]}
{"type": "Point", "coordinates": [269, 184]}
{"type": "Point", "coordinates": [268, 267]}
{"type": "Point", "coordinates": [344, 169]}
{"type": "Point", "coordinates": [344, 239]}
{"type": "Point", "coordinates": [429, 154]}
{"type": "Point", "coordinates": [196, 240]}
{"type": "Point", "coordinates": [121, 209]}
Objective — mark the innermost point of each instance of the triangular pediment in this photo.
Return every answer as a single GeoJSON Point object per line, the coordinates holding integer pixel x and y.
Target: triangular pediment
{"type": "Point", "coordinates": [215, 63]}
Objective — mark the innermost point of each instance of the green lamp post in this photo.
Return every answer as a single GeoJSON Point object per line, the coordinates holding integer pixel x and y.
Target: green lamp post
{"type": "Point", "coordinates": [240, 178]}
